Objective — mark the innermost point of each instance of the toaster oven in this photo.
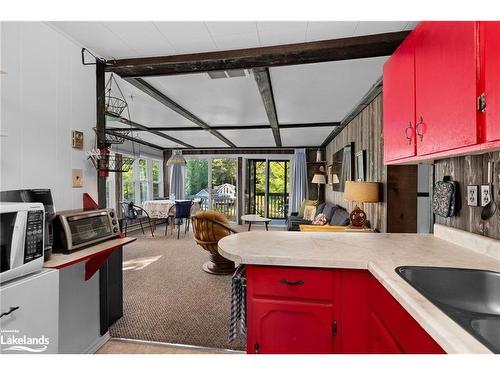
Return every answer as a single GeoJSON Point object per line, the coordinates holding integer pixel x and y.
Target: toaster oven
{"type": "Point", "coordinates": [76, 229]}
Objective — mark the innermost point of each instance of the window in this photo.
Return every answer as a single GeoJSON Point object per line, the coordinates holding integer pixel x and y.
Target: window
{"type": "Point", "coordinates": [143, 180]}
{"type": "Point", "coordinates": [128, 185]}
{"type": "Point", "coordinates": [156, 174]}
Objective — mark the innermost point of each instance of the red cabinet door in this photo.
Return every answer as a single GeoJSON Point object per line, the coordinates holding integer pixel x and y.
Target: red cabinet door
{"type": "Point", "coordinates": [399, 103]}
{"type": "Point", "coordinates": [446, 85]}
{"type": "Point", "coordinates": [381, 341]}
{"type": "Point", "coordinates": [490, 33]}
{"type": "Point", "coordinates": [289, 327]}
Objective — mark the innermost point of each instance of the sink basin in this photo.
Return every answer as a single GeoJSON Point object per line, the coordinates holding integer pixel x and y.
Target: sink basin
{"type": "Point", "coordinates": [470, 297]}
{"type": "Point", "coordinates": [464, 289]}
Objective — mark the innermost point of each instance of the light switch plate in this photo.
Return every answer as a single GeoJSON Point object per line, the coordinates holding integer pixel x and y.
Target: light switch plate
{"type": "Point", "coordinates": [485, 194]}
{"type": "Point", "coordinates": [77, 178]}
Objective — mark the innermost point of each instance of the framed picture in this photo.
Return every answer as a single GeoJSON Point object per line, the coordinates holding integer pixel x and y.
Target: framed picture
{"type": "Point", "coordinates": [473, 195]}
{"type": "Point", "coordinates": [360, 169]}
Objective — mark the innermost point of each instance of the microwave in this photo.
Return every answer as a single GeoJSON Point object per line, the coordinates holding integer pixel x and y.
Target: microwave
{"type": "Point", "coordinates": [76, 229]}
{"type": "Point", "coordinates": [21, 239]}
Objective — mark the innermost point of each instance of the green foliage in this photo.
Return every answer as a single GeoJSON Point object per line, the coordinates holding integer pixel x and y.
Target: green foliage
{"type": "Point", "coordinates": [224, 171]}
{"type": "Point", "coordinates": [196, 176]}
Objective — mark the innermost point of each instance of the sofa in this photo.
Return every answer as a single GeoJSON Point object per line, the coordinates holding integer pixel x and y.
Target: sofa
{"type": "Point", "coordinates": [335, 215]}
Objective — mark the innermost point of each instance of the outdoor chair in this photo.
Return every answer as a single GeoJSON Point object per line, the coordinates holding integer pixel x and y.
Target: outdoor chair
{"type": "Point", "coordinates": [133, 213]}
{"type": "Point", "coordinates": [182, 214]}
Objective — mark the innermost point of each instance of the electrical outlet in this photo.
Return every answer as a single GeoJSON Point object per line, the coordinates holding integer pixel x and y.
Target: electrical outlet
{"type": "Point", "coordinates": [485, 195]}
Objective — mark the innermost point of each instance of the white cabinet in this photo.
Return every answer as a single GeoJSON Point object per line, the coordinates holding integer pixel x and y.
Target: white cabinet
{"type": "Point", "coordinates": [32, 324]}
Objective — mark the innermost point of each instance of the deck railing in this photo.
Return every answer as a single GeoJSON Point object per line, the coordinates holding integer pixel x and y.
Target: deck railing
{"type": "Point", "coordinates": [278, 205]}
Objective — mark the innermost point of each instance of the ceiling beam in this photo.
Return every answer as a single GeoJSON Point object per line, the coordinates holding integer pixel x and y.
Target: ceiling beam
{"type": "Point", "coordinates": [133, 139]}
{"type": "Point", "coordinates": [136, 125]}
{"type": "Point", "coordinates": [371, 94]}
{"type": "Point", "coordinates": [239, 127]}
{"type": "Point", "coordinates": [263, 80]}
{"type": "Point", "coordinates": [169, 103]}
{"type": "Point", "coordinates": [287, 54]}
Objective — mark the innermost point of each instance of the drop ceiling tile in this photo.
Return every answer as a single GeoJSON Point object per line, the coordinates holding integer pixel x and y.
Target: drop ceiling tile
{"type": "Point", "coordinates": [250, 137]}
{"type": "Point", "coordinates": [330, 30]}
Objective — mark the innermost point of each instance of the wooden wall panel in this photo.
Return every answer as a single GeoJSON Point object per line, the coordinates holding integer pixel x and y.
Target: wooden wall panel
{"type": "Point", "coordinates": [365, 130]}
{"type": "Point", "coordinates": [471, 170]}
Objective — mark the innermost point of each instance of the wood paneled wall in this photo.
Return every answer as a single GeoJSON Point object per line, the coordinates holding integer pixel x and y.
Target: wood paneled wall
{"type": "Point", "coordinates": [471, 170]}
{"type": "Point", "coordinates": [365, 130]}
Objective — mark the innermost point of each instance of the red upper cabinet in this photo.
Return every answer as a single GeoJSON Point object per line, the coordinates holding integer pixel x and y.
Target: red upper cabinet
{"type": "Point", "coordinates": [490, 35]}
{"type": "Point", "coordinates": [446, 85]}
{"type": "Point", "coordinates": [399, 103]}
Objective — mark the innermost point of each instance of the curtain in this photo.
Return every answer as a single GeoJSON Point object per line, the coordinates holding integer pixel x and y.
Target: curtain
{"type": "Point", "coordinates": [299, 180]}
{"type": "Point", "coordinates": [177, 179]}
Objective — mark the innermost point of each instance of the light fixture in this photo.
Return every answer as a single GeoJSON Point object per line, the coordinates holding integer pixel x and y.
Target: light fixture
{"type": "Point", "coordinates": [176, 158]}
{"type": "Point", "coordinates": [319, 179]}
{"type": "Point", "coordinates": [335, 179]}
{"type": "Point", "coordinates": [364, 192]}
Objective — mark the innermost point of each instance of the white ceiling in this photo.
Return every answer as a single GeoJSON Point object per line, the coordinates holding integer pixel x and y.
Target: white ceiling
{"type": "Point", "coordinates": [323, 92]}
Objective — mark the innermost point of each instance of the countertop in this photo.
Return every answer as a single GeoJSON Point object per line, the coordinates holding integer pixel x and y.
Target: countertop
{"type": "Point", "coordinates": [380, 253]}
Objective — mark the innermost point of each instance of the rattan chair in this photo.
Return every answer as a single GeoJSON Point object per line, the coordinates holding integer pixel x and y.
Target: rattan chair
{"type": "Point", "coordinates": [208, 228]}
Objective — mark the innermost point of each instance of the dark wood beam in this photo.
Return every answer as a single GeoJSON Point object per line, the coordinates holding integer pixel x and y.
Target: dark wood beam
{"type": "Point", "coordinates": [288, 54]}
{"type": "Point", "coordinates": [236, 127]}
{"type": "Point", "coordinates": [372, 93]}
{"type": "Point", "coordinates": [100, 81]}
{"type": "Point", "coordinates": [169, 103]}
{"type": "Point", "coordinates": [133, 139]}
{"type": "Point", "coordinates": [263, 80]}
{"type": "Point", "coordinates": [154, 131]}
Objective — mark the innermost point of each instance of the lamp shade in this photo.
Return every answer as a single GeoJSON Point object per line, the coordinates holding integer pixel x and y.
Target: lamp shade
{"type": "Point", "coordinates": [319, 179]}
{"type": "Point", "coordinates": [335, 179]}
{"type": "Point", "coordinates": [360, 191]}
{"type": "Point", "coordinates": [176, 158]}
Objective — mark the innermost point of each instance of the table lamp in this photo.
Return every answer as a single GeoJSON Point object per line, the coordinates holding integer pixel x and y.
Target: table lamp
{"type": "Point", "coordinates": [360, 192]}
{"type": "Point", "coordinates": [319, 179]}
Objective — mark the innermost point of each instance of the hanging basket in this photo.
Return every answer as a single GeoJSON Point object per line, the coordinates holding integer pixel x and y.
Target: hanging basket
{"type": "Point", "coordinates": [115, 106]}
{"type": "Point", "coordinates": [104, 162]}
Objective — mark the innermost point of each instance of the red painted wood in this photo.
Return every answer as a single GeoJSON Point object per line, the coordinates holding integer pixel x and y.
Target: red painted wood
{"type": "Point", "coordinates": [446, 84]}
{"type": "Point", "coordinates": [490, 34]}
{"type": "Point", "coordinates": [409, 335]}
{"type": "Point", "coordinates": [94, 263]}
{"type": "Point", "coordinates": [317, 284]}
{"type": "Point", "coordinates": [89, 203]}
{"type": "Point", "coordinates": [381, 340]}
{"type": "Point", "coordinates": [290, 327]}
{"type": "Point", "coordinates": [353, 326]}
{"type": "Point", "coordinates": [399, 102]}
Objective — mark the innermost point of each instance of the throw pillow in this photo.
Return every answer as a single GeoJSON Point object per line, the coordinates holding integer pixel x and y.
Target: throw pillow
{"type": "Point", "coordinates": [309, 212]}
{"type": "Point", "coordinates": [307, 202]}
{"type": "Point", "coordinates": [320, 220]}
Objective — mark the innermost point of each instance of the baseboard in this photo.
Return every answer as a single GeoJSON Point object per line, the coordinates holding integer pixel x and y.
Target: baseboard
{"type": "Point", "coordinates": [96, 345]}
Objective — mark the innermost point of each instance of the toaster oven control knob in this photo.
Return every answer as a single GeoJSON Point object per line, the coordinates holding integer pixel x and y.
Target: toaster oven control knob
{"type": "Point", "coordinates": [115, 230]}
{"type": "Point", "coordinates": [111, 213]}
{"type": "Point", "coordinates": [113, 221]}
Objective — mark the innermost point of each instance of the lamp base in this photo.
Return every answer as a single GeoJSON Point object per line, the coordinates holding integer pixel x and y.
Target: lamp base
{"type": "Point", "coordinates": [357, 218]}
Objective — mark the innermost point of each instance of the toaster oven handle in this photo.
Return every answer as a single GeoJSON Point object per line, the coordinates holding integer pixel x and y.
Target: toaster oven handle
{"type": "Point", "coordinates": [11, 310]}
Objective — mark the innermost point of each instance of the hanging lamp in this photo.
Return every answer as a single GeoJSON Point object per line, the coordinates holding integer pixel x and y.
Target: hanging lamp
{"type": "Point", "coordinates": [176, 158]}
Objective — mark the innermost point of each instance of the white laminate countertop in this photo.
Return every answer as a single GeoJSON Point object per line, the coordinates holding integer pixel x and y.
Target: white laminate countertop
{"type": "Point", "coordinates": [380, 253]}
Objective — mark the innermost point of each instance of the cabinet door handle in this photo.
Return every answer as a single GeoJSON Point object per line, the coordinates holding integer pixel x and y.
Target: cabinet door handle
{"type": "Point", "coordinates": [256, 347]}
{"type": "Point", "coordinates": [287, 282]}
{"type": "Point", "coordinates": [11, 310]}
{"type": "Point", "coordinates": [334, 328]}
{"type": "Point", "coordinates": [408, 137]}
{"type": "Point", "coordinates": [417, 127]}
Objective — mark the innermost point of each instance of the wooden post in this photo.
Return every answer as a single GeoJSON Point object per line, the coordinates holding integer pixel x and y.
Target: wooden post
{"type": "Point", "coordinates": [100, 127]}
{"type": "Point", "coordinates": [166, 178]}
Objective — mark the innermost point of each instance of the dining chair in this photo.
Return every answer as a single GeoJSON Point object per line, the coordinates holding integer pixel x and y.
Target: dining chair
{"type": "Point", "coordinates": [182, 214]}
{"type": "Point", "coordinates": [132, 213]}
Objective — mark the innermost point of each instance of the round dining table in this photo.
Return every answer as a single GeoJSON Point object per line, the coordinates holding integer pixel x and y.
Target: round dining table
{"type": "Point", "coordinates": [159, 209]}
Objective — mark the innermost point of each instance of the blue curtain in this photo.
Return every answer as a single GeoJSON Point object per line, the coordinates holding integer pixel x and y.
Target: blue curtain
{"type": "Point", "coordinates": [299, 180]}
{"type": "Point", "coordinates": [177, 179]}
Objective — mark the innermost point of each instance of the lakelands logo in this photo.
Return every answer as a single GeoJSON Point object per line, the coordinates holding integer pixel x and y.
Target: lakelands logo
{"type": "Point", "coordinates": [11, 341]}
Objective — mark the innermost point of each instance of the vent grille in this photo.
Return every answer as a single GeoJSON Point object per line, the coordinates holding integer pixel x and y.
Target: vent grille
{"type": "Point", "coordinates": [217, 74]}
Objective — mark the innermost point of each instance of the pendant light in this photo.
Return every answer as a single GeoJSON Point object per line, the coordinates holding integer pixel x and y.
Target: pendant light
{"type": "Point", "coordinates": [176, 158]}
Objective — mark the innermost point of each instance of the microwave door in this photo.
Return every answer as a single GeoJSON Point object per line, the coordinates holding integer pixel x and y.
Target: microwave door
{"type": "Point", "coordinates": [18, 240]}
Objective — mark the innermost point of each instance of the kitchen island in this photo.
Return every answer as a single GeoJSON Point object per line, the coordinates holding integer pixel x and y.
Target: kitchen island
{"type": "Point", "coordinates": [373, 255]}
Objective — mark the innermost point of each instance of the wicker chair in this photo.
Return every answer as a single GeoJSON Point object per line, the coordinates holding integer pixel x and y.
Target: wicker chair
{"type": "Point", "coordinates": [208, 228]}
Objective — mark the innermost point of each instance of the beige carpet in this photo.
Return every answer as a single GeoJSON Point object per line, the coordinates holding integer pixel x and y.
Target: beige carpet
{"type": "Point", "coordinates": [167, 296]}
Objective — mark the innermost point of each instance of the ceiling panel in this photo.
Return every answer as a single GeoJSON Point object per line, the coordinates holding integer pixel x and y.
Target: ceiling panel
{"type": "Point", "coordinates": [284, 32]}
{"type": "Point", "coordinates": [144, 109]}
{"type": "Point", "coordinates": [187, 36]}
{"type": "Point", "coordinates": [155, 139]}
{"type": "Point", "coordinates": [197, 138]}
{"type": "Point", "coordinates": [250, 137]}
{"type": "Point", "coordinates": [302, 137]}
{"type": "Point", "coordinates": [377, 27]}
{"type": "Point", "coordinates": [330, 30]}
{"type": "Point", "coordinates": [223, 101]}
{"type": "Point", "coordinates": [322, 92]}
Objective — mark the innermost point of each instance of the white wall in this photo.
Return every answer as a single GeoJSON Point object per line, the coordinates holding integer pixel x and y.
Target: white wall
{"type": "Point", "coordinates": [45, 94]}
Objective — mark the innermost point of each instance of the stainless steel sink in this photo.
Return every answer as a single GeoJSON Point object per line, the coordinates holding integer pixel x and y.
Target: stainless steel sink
{"type": "Point", "coordinates": [470, 297]}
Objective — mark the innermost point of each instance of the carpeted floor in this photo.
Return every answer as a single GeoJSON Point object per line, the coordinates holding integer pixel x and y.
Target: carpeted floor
{"type": "Point", "coordinates": [168, 297]}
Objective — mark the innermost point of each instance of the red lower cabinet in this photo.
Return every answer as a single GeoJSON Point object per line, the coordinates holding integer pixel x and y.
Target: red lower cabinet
{"type": "Point", "coordinates": [293, 310]}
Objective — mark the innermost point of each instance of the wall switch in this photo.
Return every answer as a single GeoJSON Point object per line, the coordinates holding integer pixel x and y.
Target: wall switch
{"type": "Point", "coordinates": [485, 195]}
